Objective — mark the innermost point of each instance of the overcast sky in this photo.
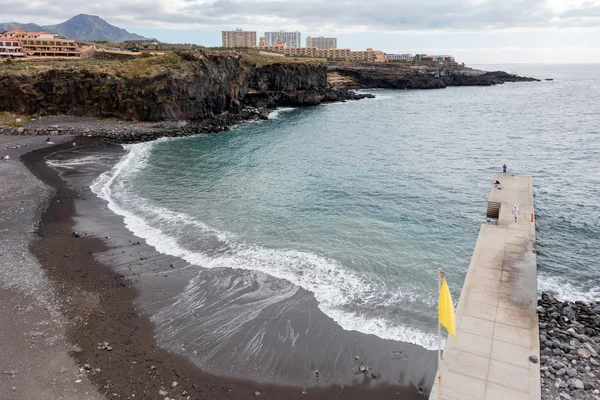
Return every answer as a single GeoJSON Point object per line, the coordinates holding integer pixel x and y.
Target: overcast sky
{"type": "Point", "coordinates": [475, 31]}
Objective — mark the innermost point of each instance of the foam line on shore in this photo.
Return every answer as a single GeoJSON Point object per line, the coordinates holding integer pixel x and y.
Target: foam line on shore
{"type": "Point", "coordinates": [333, 285]}
{"type": "Point", "coordinates": [565, 291]}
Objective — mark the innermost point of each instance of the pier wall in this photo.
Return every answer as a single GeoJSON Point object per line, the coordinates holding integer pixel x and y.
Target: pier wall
{"type": "Point", "coordinates": [497, 328]}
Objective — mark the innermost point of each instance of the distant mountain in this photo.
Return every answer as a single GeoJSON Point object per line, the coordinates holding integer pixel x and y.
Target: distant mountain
{"type": "Point", "coordinates": [80, 27]}
{"type": "Point", "coordinates": [9, 26]}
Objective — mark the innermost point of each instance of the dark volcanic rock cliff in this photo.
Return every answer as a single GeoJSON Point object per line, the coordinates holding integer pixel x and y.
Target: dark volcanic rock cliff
{"type": "Point", "coordinates": [394, 76]}
{"type": "Point", "coordinates": [178, 86]}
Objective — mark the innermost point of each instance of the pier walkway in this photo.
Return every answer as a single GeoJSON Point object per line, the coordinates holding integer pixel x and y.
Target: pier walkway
{"type": "Point", "coordinates": [496, 319]}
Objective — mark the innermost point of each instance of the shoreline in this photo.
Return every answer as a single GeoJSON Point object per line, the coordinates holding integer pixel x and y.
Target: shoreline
{"type": "Point", "coordinates": [102, 309]}
{"type": "Point", "coordinates": [33, 329]}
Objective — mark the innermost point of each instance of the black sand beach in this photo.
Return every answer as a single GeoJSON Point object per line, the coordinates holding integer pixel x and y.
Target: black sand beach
{"type": "Point", "coordinates": [111, 285]}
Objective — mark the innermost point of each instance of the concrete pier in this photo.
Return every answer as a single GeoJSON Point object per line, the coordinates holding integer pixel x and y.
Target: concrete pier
{"type": "Point", "coordinates": [496, 319]}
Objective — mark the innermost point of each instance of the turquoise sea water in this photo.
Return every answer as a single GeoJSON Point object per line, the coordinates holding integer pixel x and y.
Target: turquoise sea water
{"type": "Point", "coordinates": [361, 202]}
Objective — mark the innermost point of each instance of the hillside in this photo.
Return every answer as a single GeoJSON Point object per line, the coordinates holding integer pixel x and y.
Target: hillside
{"type": "Point", "coordinates": [80, 27]}
{"type": "Point", "coordinates": [9, 26]}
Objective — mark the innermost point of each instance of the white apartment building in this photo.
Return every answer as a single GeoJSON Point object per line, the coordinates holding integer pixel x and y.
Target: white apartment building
{"type": "Point", "coordinates": [400, 57]}
{"type": "Point", "coordinates": [291, 39]}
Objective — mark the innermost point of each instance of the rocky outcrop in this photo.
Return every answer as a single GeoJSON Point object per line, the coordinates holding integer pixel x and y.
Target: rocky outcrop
{"type": "Point", "coordinates": [569, 348]}
{"type": "Point", "coordinates": [393, 76]}
{"type": "Point", "coordinates": [456, 78]}
{"type": "Point", "coordinates": [194, 86]}
{"type": "Point", "coordinates": [132, 132]}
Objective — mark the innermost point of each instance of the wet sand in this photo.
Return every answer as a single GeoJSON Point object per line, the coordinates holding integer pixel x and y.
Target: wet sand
{"type": "Point", "coordinates": [122, 293]}
{"type": "Point", "coordinates": [34, 353]}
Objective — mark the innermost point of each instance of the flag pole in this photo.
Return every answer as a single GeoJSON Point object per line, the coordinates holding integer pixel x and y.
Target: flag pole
{"type": "Point", "coordinates": [440, 273]}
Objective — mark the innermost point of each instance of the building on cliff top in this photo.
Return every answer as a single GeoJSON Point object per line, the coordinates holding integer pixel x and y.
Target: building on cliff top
{"type": "Point", "coordinates": [293, 39]}
{"type": "Point", "coordinates": [417, 58]}
{"type": "Point", "coordinates": [42, 44]}
{"type": "Point", "coordinates": [10, 47]}
{"type": "Point", "coordinates": [238, 38]}
{"type": "Point", "coordinates": [321, 42]}
{"type": "Point", "coordinates": [332, 54]}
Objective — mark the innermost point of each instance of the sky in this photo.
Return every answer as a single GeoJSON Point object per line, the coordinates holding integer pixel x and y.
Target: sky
{"type": "Point", "coordinates": [474, 31]}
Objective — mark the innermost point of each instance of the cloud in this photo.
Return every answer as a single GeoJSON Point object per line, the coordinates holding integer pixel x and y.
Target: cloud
{"type": "Point", "coordinates": [334, 16]}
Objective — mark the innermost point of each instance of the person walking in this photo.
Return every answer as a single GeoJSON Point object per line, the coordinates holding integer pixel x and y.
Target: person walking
{"type": "Point", "coordinates": [515, 212]}
{"type": "Point", "coordinates": [504, 169]}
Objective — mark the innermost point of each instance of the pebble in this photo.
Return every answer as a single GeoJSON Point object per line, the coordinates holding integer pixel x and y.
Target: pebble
{"type": "Point", "coordinates": [257, 393]}
{"type": "Point", "coordinates": [575, 384]}
{"type": "Point", "coordinates": [174, 384]}
{"type": "Point", "coordinates": [533, 359]}
{"type": "Point", "coordinates": [162, 392]}
{"type": "Point", "coordinates": [569, 344]}
{"type": "Point", "coordinates": [583, 353]}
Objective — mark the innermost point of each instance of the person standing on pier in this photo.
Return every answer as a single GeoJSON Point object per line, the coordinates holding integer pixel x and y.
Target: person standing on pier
{"type": "Point", "coordinates": [515, 212]}
{"type": "Point", "coordinates": [504, 169]}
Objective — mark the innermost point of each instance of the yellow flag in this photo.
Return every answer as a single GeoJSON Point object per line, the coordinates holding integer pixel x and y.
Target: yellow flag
{"type": "Point", "coordinates": [446, 310]}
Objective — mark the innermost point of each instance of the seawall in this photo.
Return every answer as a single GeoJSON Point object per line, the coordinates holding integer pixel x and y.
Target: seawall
{"type": "Point", "coordinates": [496, 351]}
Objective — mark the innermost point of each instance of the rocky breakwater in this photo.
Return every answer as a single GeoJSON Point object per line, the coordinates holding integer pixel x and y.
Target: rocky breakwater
{"type": "Point", "coordinates": [395, 76]}
{"type": "Point", "coordinates": [569, 347]}
{"type": "Point", "coordinates": [210, 91]}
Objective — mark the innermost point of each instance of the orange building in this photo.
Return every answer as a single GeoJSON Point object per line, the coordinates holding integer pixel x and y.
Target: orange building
{"type": "Point", "coordinates": [368, 55]}
{"type": "Point", "coordinates": [43, 44]}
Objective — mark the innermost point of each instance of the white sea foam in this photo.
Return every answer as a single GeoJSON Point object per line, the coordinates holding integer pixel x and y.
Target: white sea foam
{"type": "Point", "coordinates": [565, 290]}
{"type": "Point", "coordinates": [276, 114]}
{"type": "Point", "coordinates": [73, 162]}
{"type": "Point", "coordinates": [334, 286]}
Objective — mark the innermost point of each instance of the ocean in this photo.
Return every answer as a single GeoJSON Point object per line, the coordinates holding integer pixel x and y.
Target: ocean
{"type": "Point", "coordinates": [361, 202]}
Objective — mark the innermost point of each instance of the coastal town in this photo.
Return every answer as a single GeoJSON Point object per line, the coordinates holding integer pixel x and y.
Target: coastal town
{"type": "Point", "coordinates": [290, 44]}
{"type": "Point", "coordinates": [19, 44]}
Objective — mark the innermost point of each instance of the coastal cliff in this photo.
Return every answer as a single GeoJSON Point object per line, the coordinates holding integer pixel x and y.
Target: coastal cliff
{"type": "Point", "coordinates": [177, 86]}
{"type": "Point", "coordinates": [184, 93]}
{"type": "Point", "coordinates": [395, 76]}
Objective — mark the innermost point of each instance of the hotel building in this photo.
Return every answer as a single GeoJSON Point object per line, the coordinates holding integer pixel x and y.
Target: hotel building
{"type": "Point", "coordinates": [368, 55]}
{"type": "Point", "coordinates": [239, 38]}
{"type": "Point", "coordinates": [292, 39]}
{"type": "Point", "coordinates": [43, 44]}
{"type": "Point", "coordinates": [321, 42]}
